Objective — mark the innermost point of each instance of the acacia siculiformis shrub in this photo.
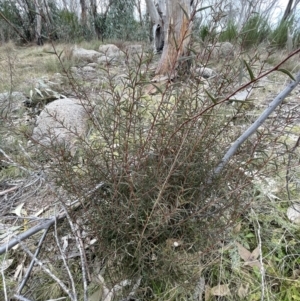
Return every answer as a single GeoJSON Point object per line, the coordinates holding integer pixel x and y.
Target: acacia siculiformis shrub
{"type": "Point", "coordinates": [155, 209]}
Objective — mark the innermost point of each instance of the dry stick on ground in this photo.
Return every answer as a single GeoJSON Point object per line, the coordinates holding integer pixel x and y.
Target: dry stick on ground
{"type": "Point", "coordinates": [49, 273]}
{"type": "Point", "coordinates": [80, 247]}
{"type": "Point", "coordinates": [63, 256]}
{"type": "Point", "coordinates": [21, 298]}
{"type": "Point", "coordinates": [252, 129]}
{"type": "Point", "coordinates": [32, 262]}
{"type": "Point", "coordinates": [45, 224]}
{"type": "Point", "coordinates": [4, 282]}
{"type": "Point", "coordinates": [3, 192]}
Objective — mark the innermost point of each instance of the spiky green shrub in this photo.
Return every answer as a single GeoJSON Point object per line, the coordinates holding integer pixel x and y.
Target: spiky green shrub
{"type": "Point", "coordinates": [150, 158]}
{"type": "Point", "coordinates": [279, 35]}
{"type": "Point", "coordinates": [254, 31]}
{"type": "Point", "coordinates": [141, 178]}
{"type": "Point", "coordinates": [68, 27]}
{"type": "Point", "coordinates": [230, 33]}
{"type": "Point", "coordinates": [22, 19]}
{"type": "Point", "coordinates": [204, 32]}
{"type": "Point", "coordinates": [120, 23]}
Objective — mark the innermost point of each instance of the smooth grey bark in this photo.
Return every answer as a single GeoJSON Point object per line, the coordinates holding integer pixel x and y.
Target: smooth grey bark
{"type": "Point", "coordinates": [38, 25]}
{"type": "Point", "coordinates": [252, 129]}
{"type": "Point", "coordinates": [288, 10]}
{"type": "Point", "coordinates": [157, 16]}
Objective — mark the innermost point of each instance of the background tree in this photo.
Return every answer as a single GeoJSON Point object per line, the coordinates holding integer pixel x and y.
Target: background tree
{"type": "Point", "coordinates": [171, 31]}
{"type": "Point", "coordinates": [290, 8]}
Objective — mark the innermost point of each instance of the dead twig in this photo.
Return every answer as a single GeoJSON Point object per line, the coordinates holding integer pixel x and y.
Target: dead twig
{"type": "Point", "coordinates": [45, 224]}
{"type": "Point", "coordinates": [48, 272]}
{"type": "Point", "coordinates": [8, 190]}
{"type": "Point", "coordinates": [65, 261]}
{"type": "Point", "coordinates": [26, 276]}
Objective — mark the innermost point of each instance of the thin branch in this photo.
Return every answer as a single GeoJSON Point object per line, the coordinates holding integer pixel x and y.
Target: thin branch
{"type": "Point", "coordinates": [252, 129]}
{"type": "Point", "coordinates": [230, 96]}
{"type": "Point", "coordinates": [4, 284]}
{"type": "Point", "coordinates": [26, 276]}
{"type": "Point", "coordinates": [80, 247]}
{"type": "Point", "coordinates": [45, 224]}
{"type": "Point", "coordinates": [48, 272]}
{"type": "Point", "coordinates": [65, 261]}
{"type": "Point", "coordinates": [3, 192]}
{"type": "Point", "coordinates": [21, 298]}
{"type": "Point", "coordinates": [16, 240]}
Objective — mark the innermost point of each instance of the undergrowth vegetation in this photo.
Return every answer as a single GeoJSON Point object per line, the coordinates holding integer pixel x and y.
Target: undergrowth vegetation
{"type": "Point", "coordinates": [139, 213]}
{"type": "Point", "coordinates": [151, 220]}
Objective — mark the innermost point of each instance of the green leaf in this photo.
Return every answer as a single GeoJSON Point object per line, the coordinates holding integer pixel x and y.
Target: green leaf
{"type": "Point", "coordinates": [39, 92]}
{"type": "Point", "coordinates": [50, 52]}
{"type": "Point", "coordinates": [287, 73]}
{"type": "Point", "coordinates": [158, 88]}
{"type": "Point", "coordinates": [249, 70]}
{"type": "Point", "coordinates": [214, 100]}
{"type": "Point", "coordinates": [60, 54]}
{"type": "Point", "coordinates": [203, 8]}
{"type": "Point", "coordinates": [185, 13]}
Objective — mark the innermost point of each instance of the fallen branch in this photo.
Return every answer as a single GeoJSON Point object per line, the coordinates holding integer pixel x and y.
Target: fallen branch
{"type": "Point", "coordinates": [26, 276]}
{"type": "Point", "coordinates": [45, 224]}
{"type": "Point", "coordinates": [252, 129]}
{"type": "Point", "coordinates": [49, 273]}
{"type": "Point", "coordinates": [3, 192]}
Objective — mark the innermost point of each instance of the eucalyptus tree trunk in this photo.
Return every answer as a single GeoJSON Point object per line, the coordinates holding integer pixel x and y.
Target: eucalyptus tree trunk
{"type": "Point", "coordinates": [177, 32]}
{"type": "Point", "coordinates": [93, 4]}
{"type": "Point", "coordinates": [83, 12]}
{"type": "Point", "coordinates": [157, 15]}
{"type": "Point", "coordinates": [288, 10]}
{"type": "Point", "coordinates": [38, 24]}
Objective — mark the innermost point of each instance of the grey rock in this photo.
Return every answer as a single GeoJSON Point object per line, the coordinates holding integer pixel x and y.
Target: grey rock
{"type": "Point", "coordinates": [88, 69]}
{"type": "Point", "coordinates": [61, 122]}
{"type": "Point", "coordinates": [134, 49]}
{"type": "Point", "coordinates": [223, 50]}
{"type": "Point", "coordinates": [84, 55]}
{"type": "Point", "coordinates": [110, 50]}
{"type": "Point", "coordinates": [205, 72]}
{"type": "Point", "coordinates": [133, 52]}
{"type": "Point", "coordinates": [110, 54]}
{"type": "Point", "coordinates": [94, 65]}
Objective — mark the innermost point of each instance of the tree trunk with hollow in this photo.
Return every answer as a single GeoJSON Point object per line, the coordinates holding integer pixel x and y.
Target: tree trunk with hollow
{"type": "Point", "coordinates": [177, 35]}
{"type": "Point", "coordinates": [171, 32]}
